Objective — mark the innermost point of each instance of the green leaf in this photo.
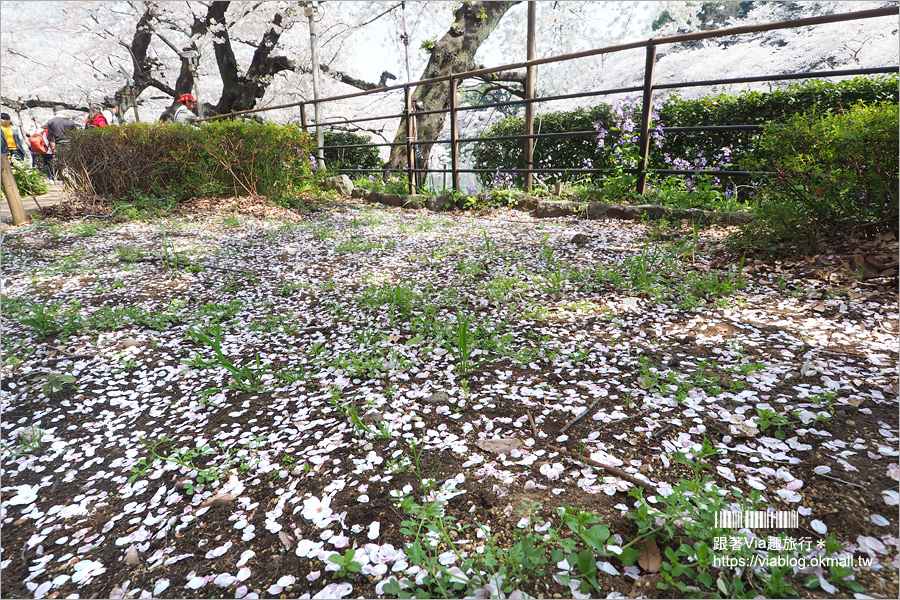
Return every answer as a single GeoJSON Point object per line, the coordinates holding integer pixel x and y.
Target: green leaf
{"type": "Point", "coordinates": [629, 556]}
{"type": "Point", "coordinates": [723, 587]}
{"type": "Point", "coordinates": [702, 551]}
{"type": "Point", "coordinates": [705, 578]}
{"type": "Point", "coordinates": [587, 564]}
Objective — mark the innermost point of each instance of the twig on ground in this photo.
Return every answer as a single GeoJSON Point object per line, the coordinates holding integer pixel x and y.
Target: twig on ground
{"type": "Point", "coordinates": [610, 469]}
{"type": "Point", "coordinates": [533, 426]}
{"type": "Point", "coordinates": [634, 416]}
{"type": "Point", "coordinates": [581, 416]}
{"type": "Point", "coordinates": [841, 481]}
{"type": "Point", "coordinates": [660, 431]}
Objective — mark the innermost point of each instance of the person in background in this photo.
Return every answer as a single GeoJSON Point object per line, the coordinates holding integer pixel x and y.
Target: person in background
{"type": "Point", "coordinates": [57, 131]}
{"type": "Point", "coordinates": [13, 140]}
{"type": "Point", "coordinates": [185, 113]}
{"type": "Point", "coordinates": [46, 158]}
{"type": "Point", "coordinates": [111, 113]}
{"type": "Point", "coordinates": [94, 114]}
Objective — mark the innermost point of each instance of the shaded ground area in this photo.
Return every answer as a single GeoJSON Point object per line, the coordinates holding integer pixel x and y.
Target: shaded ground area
{"type": "Point", "coordinates": [214, 405]}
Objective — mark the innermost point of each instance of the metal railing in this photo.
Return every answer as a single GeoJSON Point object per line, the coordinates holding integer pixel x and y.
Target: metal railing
{"type": "Point", "coordinates": [647, 90]}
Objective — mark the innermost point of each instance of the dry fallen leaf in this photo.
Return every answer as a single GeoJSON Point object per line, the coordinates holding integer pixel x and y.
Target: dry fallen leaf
{"type": "Point", "coordinates": [218, 500]}
{"type": "Point", "coordinates": [499, 445]}
{"type": "Point", "coordinates": [651, 559]}
{"type": "Point", "coordinates": [855, 402]}
{"type": "Point", "coordinates": [285, 539]}
{"type": "Point", "coordinates": [744, 428]}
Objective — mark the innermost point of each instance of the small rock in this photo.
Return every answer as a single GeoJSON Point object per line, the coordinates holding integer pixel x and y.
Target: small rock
{"type": "Point", "coordinates": [579, 239]}
{"type": "Point", "coordinates": [840, 414]}
{"type": "Point", "coordinates": [132, 557]}
{"type": "Point", "coordinates": [368, 447]}
{"type": "Point", "coordinates": [297, 472]}
{"type": "Point", "coordinates": [850, 423]}
{"type": "Point", "coordinates": [373, 417]}
{"type": "Point", "coordinates": [437, 398]}
{"type": "Point", "coordinates": [530, 485]}
{"type": "Point", "coordinates": [129, 343]}
{"type": "Point", "coordinates": [29, 434]}
{"type": "Point", "coordinates": [340, 183]}
{"type": "Point", "coordinates": [219, 500]}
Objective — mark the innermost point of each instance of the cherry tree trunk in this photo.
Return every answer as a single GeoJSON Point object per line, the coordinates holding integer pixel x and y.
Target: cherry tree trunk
{"type": "Point", "coordinates": [453, 53]}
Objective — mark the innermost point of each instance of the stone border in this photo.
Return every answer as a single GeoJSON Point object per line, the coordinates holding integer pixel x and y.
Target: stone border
{"type": "Point", "coordinates": [558, 208]}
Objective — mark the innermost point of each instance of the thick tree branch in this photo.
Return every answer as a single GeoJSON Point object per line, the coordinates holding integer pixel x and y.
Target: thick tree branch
{"type": "Point", "coordinates": [353, 81]}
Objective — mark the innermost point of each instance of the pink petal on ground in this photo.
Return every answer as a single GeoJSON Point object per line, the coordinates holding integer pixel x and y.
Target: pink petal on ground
{"type": "Point", "coordinates": [794, 485]}
{"type": "Point", "coordinates": [818, 526]}
{"type": "Point", "coordinates": [789, 495]}
{"type": "Point", "coordinates": [822, 470]}
{"type": "Point", "coordinates": [286, 580]}
{"type": "Point", "coordinates": [195, 583]}
{"type": "Point", "coordinates": [879, 520]}
{"type": "Point", "coordinates": [42, 589]}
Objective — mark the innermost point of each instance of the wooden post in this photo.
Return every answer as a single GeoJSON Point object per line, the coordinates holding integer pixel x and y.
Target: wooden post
{"type": "Point", "coordinates": [12, 191]}
{"type": "Point", "coordinates": [529, 95]}
{"type": "Point", "coordinates": [410, 137]}
{"type": "Point", "coordinates": [454, 135]}
{"type": "Point", "coordinates": [303, 118]}
{"type": "Point", "coordinates": [646, 110]}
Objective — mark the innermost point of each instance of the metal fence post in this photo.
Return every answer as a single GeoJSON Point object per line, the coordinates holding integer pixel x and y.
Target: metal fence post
{"type": "Point", "coordinates": [407, 93]}
{"type": "Point", "coordinates": [646, 110]}
{"type": "Point", "coordinates": [529, 95]}
{"type": "Point", "coordinates": [454, 135]}
{"type": "Point", "coordinates": [303, 118]}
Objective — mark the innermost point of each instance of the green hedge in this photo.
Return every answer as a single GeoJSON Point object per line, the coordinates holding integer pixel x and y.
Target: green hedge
{"type": "Point", "coordinates": [837, 173]}
{"type": "Point", "coordinates": [758, 108]}
{"type": "Point", "coordinates": [220, 158]}
{"type": "Point", "coordinates": [350, 158]}
{"type": "Point", "coordinates": [745, 108]}
{"type": "Point", "coordinates": [571, 152]}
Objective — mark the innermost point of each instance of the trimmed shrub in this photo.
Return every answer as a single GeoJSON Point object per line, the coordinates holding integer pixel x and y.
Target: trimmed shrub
{"type": "Point", "coordinates": [575, 152]}
{"type": "Point", "coordinates": [343, 159]}
{"type": "Point", "coordinates": [837, 173]}
{"type": "Point", "coordinates": [745, 108]}
{"type": "Point", "coordinates": [167, 160]}
{"type": "Point", "coordinates": [759, 108]}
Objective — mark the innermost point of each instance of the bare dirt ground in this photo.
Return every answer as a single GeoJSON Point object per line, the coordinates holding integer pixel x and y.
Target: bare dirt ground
{"type": "Point", "coordinates": [218, 403]}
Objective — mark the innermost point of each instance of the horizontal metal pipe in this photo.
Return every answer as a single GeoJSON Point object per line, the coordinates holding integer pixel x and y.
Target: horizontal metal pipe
{"type": "Point", "coordinates": [672, 39]}
{"type": "Point", "coordinates": [779, 77]}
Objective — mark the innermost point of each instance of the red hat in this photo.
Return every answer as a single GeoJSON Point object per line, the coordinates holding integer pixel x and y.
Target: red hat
{"type": "Point", "coordinates": [187, 98]}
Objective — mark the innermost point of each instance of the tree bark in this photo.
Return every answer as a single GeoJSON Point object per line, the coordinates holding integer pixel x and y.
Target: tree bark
{"type": "Point", "coordinates": [241, 91]}
{"type": "Point", "coordinates": [453, 53]}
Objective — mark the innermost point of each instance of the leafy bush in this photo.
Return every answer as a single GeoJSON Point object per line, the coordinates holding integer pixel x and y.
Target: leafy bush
{"type": "Point", "coordinates": [29, 181]}
{"type": "Point", "coordinates": [759, 108]}
{"type": "Point", "coordinates": [691, 148]}
{"type": "Point", "coordinates": [341, 159]}
{"type": "Point", "coordinates": [576, 152]}
{"type": "Point", "coordinates": [166, 160]}
{"type": "Point", "coordinates": [835, 172]}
